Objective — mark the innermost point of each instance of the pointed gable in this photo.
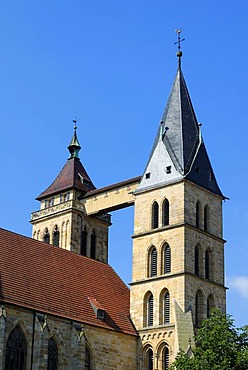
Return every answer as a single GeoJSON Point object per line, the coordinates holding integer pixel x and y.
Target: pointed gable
{"type": "Point", "coordinates": [178, 151]}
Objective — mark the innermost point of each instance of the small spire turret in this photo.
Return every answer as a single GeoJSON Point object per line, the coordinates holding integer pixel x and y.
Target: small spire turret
{"type": "Point", "coordinates": [74, 146]}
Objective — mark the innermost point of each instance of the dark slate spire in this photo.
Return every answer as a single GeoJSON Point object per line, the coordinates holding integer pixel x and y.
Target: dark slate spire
{"type": "Point", "coordinates": [178, 151]}
{"type": "Point", "coordinates": [74, 146]}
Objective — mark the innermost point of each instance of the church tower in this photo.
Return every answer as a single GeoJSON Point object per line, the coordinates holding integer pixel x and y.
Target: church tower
{"type": "Point", "coordinates": [178, 247]}
{"type": "Point", "coordinates": [62, 219]}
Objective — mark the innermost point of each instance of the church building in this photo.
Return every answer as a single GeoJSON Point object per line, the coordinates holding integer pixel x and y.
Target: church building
{"type": "Point", "coordinates": [64, 307]}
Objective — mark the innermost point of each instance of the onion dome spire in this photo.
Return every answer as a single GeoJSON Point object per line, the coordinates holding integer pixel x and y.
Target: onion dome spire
{"type": "Point", "coordinates": [74, 146]}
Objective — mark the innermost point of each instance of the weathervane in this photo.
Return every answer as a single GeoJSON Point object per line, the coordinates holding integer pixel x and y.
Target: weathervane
{"type": "Point", "coordinates": [178, 42]}
{"type": "Point", "coordinates": [75, 123]}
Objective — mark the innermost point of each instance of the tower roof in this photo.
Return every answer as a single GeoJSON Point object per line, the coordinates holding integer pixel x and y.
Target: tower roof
{"type": "Point", "coordinates": [178, 150]}
{"type": "Point", "coordinates": [72, 176]}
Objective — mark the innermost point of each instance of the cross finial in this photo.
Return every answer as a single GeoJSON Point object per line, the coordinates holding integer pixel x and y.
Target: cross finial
{"type": "Point", "coordinates": [178, 42]}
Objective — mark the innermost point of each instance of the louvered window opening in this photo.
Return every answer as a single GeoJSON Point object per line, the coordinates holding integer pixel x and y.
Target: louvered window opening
{"type": "Point", "coordinates": [207, 265]}
{"type": "Point", "coordinates": [166, 213]}
{"type": "Point", "coordinates": [210, 305]}
{"type": "Point", "coordinates": [206, 213]}
{"type": "Point", "coordinates": [150, 310]}
{"type": "Point", "coordinates": [198, 309]}
{"type": "Point", "coordinates": [167, 259]}
{"type": "Point", "coordinates": [83, 243]}
{"type": "Point", "coordinates": [197, 217]}
{"type": "Point", "coordinates": [52, 361]}
{"type": "Point", "coordinates": [167, 308]}
{"type": "Point", "coordinates": [196, 260]}
{"type": "Point", "coordinates": [165, 359]}
{"type": "Point", "coordinates": [16, 350]}
{"type": "Point", "coordinates": [155, 215]}
{"type": "Point", "coordinates": [154, 262]}
{"type": "Point", "coordinates": [149, 359]}
{"type": "Point", "coordinates": [93, 246]}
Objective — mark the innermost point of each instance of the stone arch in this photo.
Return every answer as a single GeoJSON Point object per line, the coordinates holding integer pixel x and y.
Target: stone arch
{"type": "Point", "coordinates": [165, 258]}
{"type": "Point", "coordinates": [164, 307]}
{"type": "Point", "coordinates": [163, 355]}
{"type": "Point", "coordinates": [148, 309]}
{"type": "Point", "coordinates": [148, 357]}
{"type": "Point", "coordinates": [152, 260]}
{"type": "Point", "coordinates": [154, 215]}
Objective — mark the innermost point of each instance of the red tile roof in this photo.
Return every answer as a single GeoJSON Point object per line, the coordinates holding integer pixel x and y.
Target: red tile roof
{"type": "Point", "coordinates": [73, 175]}
{"type": "Point", "coordinates": [55, 281]}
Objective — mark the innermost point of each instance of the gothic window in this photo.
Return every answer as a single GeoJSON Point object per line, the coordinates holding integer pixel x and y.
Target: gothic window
{"type": "Point", "coordinates": [206, 218]}
{"type": "Point", "coordinates": [155, 215]}
{"type": "Point", "coordinates": [207, 264]}
{"type": "Point", "coordinates": [46, 236]}
{"type": "Point", "coordinates": [83, 245]}
{"type": "Point", "coordinates": [198, 308]}
{"type": "Point", "coordinates": [153, 262]}
{"type": "Point", "coordinates": [56, 236]}
{"type": "Point", "coordinates": [16, 350]}
{"type": "Point", "coordinates": [87, 359]}
{"type": "Point", "coordinates": [93, 245]}
{"type": "Point", "coordinates": [165, 358]}
{"type": "Point", "coordinates": [148, 309]}
{"type": "Point", "coordinates": [52, 359]}
{"type": "Point", "coordinates": [197, 214]}
{"type": "Point", "coordinates": [166, 251]}
{"type": "Point", "coordinates": [210, 304]}
{"type": "Point", "coordinates": [166, 214]}
{"type": "Point", "coordinates": [197, 262]}
{"type": "Point", "coordinates": [166, 312]}
{"type": "Point", "coordinates": [149, 359]}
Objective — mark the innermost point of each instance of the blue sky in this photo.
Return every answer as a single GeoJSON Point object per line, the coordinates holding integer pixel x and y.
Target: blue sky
{"type": "Point", "coordinates": [112, 64]}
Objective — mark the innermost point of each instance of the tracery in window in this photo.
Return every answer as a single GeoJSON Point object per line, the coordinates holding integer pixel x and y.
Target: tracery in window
{"type": "Point", "coordinates": [166, 212]}
{"type": "Point", "coordinates": [56, 236]}
{"type": "Point", "coordinates": [16, 350]}
{"type": "Point", "coordinates": [155, 212]}
{"type": "Point", "coordinates": [46, 236]}
{"type": "Point", "coordinates": [52, 358]}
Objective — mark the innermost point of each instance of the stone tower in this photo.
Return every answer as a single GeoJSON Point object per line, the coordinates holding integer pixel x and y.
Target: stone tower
{"type": "Point", "coordinates": [178, 249]}
{"type": "Point", "coordinates": [62, 219]}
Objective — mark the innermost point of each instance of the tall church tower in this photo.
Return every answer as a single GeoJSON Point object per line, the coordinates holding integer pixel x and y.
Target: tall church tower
{"type": "Point", "coordinates": [62, 219]}
{"type": "Point", "coordinates": [178, 247]}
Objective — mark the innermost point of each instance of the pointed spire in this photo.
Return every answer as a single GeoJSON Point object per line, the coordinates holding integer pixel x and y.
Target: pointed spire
{"type": "Point", "coordinates": [74, 146]}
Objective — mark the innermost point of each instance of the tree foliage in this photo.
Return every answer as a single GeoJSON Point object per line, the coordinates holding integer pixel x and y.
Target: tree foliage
{"type": "Point", "coordinates": [219, 346]}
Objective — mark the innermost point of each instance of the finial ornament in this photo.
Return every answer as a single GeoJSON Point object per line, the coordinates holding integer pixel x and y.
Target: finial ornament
{"type": "Point", "coordinates": [75, 123]}
{"type": "Point", "coordinates": [178, 42]}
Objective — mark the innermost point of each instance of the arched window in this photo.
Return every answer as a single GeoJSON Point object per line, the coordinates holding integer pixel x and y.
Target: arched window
{"type": "Point", "coordinates": [153, 262]}
{"type": "Point", "coordinates": [166, 212]}
{"type": "Point", "coordinates": [155, 215]}
{"type": "Point", "coordinates": [149, 359]}
{"type": "Point", "coordinates": [83, 245]}
{"type": "Point", "coordinates": [165, 358]}
{"type": "Point", "coordinates": [197, 214]}
{"type": "Point", "coordinates": [198, 308]}
{"type": "Point", "coordinates": [16, 350]}
{"type": "Point", "coordinates": [93, 245]}
{"type": "Point", "coordinates": [210, 304]}
{"type": "Point", "coordinates": [149, 309]}
{"type": "Point", "coordinates": [206, 218]}
{"type": "Point", "coordinates": [46, 236]}
{"type": "Point", "coordinates": [52, 358]}
{"type": "Point", "coordinates": [88, 359]}
{"type": "Point", "coordinates": [166, 308]}
{"type": "Point", "coordinates": [166, 251]}
{"type": "Point", "coordinates": [197, 262]}
{"type": "Point", "coordinates": [56, 236]}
